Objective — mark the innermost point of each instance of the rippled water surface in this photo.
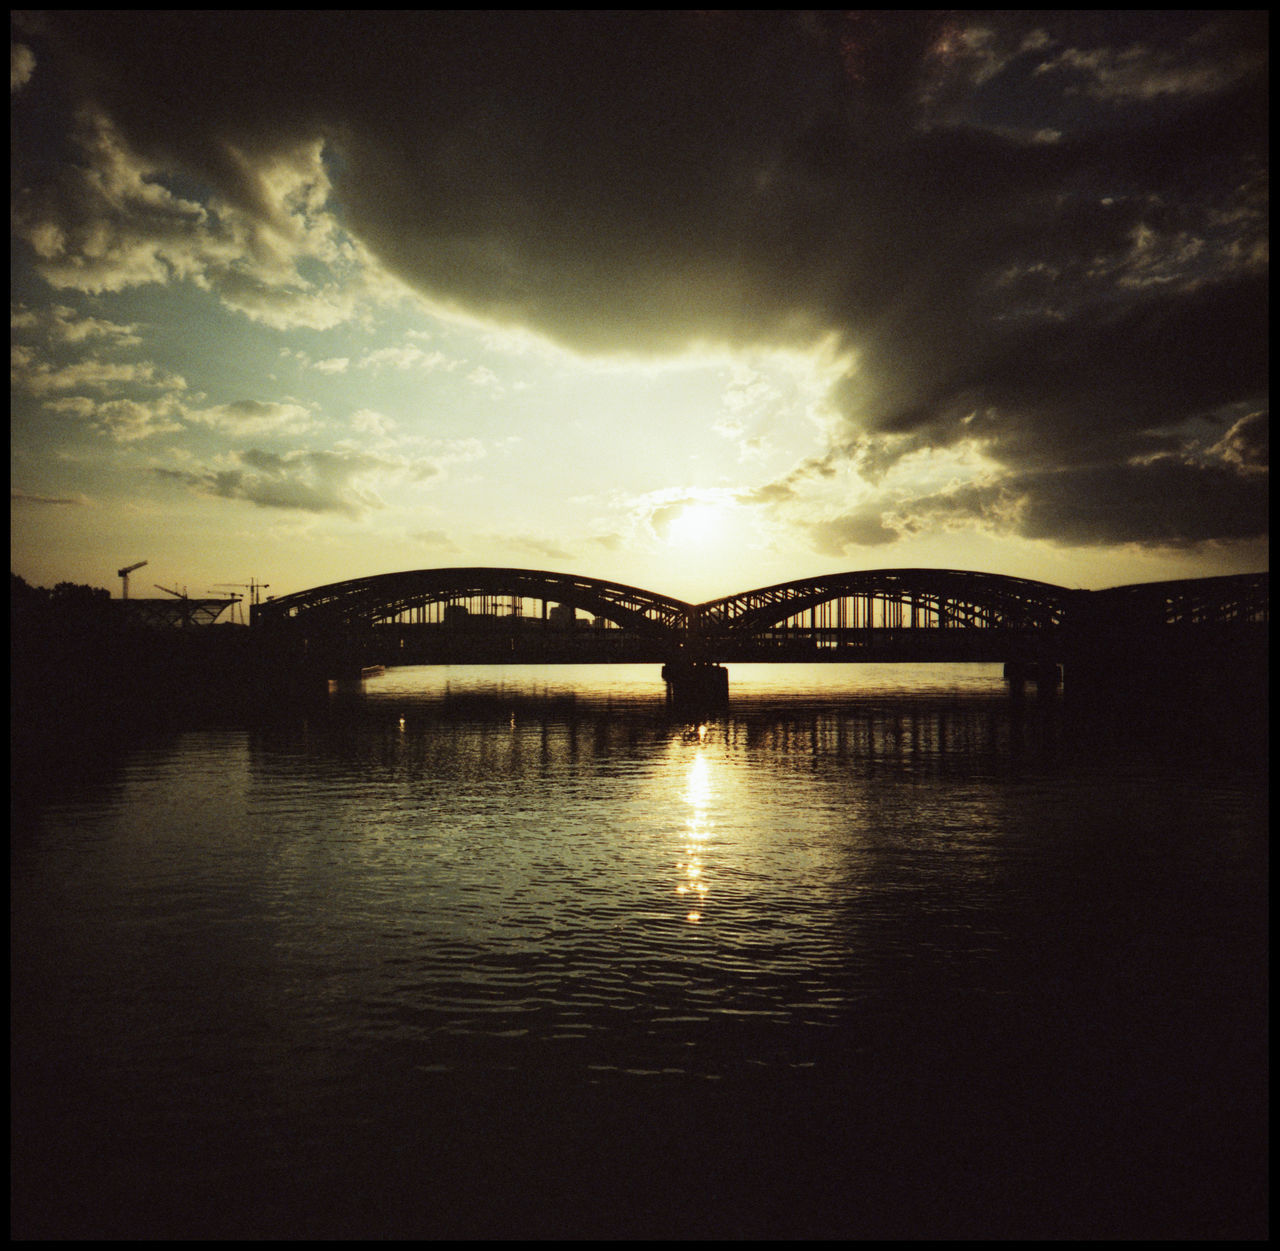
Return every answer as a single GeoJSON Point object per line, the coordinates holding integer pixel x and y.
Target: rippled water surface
{"type": "Point", "coordinates": [522, 952]}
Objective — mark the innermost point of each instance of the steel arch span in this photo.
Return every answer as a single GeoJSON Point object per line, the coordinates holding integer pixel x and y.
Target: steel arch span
{"type": "Point", "coordinates": [363, 603]}
{"type": "Point", "coordinates": [499, 615]}
{"type": "Point", "coordinates": [1232, 599]}
{"type": "Point", "coordinates": [892, 598]}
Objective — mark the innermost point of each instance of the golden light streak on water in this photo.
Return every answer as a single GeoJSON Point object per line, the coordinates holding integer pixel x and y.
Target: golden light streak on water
{"type": "Point", "coordinates": [699, 793]}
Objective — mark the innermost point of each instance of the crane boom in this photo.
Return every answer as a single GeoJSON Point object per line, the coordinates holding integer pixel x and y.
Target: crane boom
{"type": "Point", "coordinates": [253, 586]}
{"type": "Point", "coordinates": [124, 573]}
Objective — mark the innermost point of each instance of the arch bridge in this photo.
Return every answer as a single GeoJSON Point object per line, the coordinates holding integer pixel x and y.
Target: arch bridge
{"type": "Point", "coordinates": [496, 615]}
{"type": "Point", "coordinates": [888, 614]}
{"type": "Point", "coordinates": [480, 615]}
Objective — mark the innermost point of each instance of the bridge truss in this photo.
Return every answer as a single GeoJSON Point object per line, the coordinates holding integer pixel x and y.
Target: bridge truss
{"type": "Point", "coordinates": [170, 614]}
{"type": "Point", "coordinates": [475, 596]}
{"type": "Point", "coordinates": [1237, 599]}
{"type": "Point", "coordinates": [839, 612]}
{"type": "Point", "coordinates": [489, 614]}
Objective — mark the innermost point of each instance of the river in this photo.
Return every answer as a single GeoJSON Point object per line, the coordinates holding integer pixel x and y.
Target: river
{"type": "Point", "coordinates": [522, 953]}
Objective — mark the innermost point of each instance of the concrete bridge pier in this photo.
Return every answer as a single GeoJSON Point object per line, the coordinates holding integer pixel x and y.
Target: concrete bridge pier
{"type": "Point", "coordinates": [1045, 674]}
{"type": "Point", "coordinates": [696, 683]}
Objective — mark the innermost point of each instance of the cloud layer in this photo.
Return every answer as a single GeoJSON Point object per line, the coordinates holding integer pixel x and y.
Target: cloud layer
{"type": "Point", "coordinates": [1039, 237]}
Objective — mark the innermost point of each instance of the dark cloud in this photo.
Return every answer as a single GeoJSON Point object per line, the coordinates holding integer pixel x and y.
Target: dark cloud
{"type": "Point", "coordinates": [1167, 501]}
{"type": "Point", "coordinates": [1043, 233]}
{"type": "Point", "coordinates": [865, 527]}
{"type": "Point", "coordinates": [1063, 389]}
{"type": "Point", "coordinates": [17, 496]}
{"type": "Point", "coordinates": [302, 481]}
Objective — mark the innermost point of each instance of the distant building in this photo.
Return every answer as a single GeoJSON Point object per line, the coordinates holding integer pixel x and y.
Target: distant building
{"type": "Point", "coordinates": [563, 615]}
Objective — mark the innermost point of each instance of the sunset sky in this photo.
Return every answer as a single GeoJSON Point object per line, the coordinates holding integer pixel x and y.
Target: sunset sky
{"type": "Point", "coordinates": [692, 300]}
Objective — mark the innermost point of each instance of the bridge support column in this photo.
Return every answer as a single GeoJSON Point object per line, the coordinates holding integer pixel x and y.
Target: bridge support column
{"type": "Point", "coordinates": [1046, 674]}
{"type": "Point", "coordinates": [695, 683]}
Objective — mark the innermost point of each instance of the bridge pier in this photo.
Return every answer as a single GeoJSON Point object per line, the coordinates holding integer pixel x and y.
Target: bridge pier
{"type": "Point", "coordinates": [1046, 674]}
{"type": "Point", "coordinates": [695, 683]}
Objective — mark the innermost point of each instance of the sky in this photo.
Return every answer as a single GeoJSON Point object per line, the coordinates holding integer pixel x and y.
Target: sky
{"type": "Point", "coordinates": [692, 300]}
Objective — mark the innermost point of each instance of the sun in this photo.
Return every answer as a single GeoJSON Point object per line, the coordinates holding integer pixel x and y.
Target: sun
{"type": "Point", "coordinates": [699, 525]}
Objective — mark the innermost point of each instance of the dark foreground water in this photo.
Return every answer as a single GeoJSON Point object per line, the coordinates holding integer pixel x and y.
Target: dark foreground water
{"type": "Point", "coordinates": [521, 953]}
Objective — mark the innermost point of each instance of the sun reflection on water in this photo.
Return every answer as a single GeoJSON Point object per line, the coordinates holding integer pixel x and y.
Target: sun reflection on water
{"type": "Point", "coordinates": [698, 826]}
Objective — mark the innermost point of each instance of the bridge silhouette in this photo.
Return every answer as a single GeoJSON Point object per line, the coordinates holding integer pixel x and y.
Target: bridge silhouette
{"type": "Point", "coordinates": [482, 615]}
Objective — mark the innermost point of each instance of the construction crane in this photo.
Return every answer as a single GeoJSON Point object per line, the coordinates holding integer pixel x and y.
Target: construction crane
{"type": "Point", "coordinates": [253, 586]}
{"type": "Point", "coordinates": [124, 575]}
{"type": "Point", "coordinates": [182, 594]}
{"type": "Point", "coordinates": [235, 602]}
